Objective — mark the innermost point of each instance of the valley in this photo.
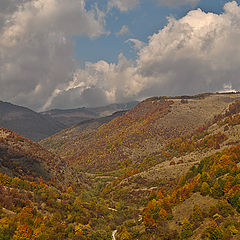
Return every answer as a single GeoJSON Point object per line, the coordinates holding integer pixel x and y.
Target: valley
{"type": "Point", "coordinates": [40, 125]}
{"type": "Point", "coordinates": [119, 120]}
{"type": "Point", "coordinates": [166, 169]}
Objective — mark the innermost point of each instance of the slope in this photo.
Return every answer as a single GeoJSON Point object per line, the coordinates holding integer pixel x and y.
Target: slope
{"type": "Point", "coordinates": [68, 135]}
{"type": "Point", "coordinates": [20, 157]}
{"type": "Point", "coordinates": [37, 200]}
{"type": "Point", "coordinates": [142, 132]}
{"type": "Point", "coordinates": [194, 194]}
{"type": "Point", "coordinates": [27, 122]}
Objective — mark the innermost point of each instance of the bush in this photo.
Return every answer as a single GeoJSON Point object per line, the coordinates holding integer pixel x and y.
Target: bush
{"type": "Point", "coordinates": [99, 235]}
{"type": "Point", "coordinates": [186, 230]}
{"type": "Point", "coordinates": [213, 232]}
{"type": "Point", "coordinates": [205, 189]}
{"type": "Point", "coordinates": [197, 215]}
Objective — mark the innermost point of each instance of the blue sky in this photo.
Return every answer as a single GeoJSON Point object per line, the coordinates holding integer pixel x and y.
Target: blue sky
{"type": "Point", "coordinates": [144, 20]}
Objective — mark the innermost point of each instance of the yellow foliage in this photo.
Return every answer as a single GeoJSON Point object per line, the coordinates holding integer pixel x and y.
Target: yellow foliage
{"type": "Point", "coordinates": [23, 232]}
{"type": "Point", "coordinates": [4, 223]}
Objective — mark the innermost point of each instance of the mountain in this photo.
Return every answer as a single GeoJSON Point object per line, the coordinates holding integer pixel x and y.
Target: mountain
{"type": "Point", "coordinates": [20, 157]}
{"type": "Point", "coordinates": [66, 136]}
{"type": "Point", "coordinates": [192, 189]}
{"type": "Point", "coordinates": [41, 197]}
{"type": "Point", "coordinates": [167, 169]}
{"type": "Point", "coordinates": [70, 117]}
{"type": "Point", "coordinates": [141, 133]}
{"type": "Point", "coordinates": [26, 122]}
{"type": "Point", "coordinates": [37, 126]}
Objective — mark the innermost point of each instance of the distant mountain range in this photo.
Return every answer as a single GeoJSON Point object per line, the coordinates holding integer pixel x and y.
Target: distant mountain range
{"type": "Point", "coordinates": [37, 126]}
{"type": "Point", "coordinates": [70, 117]}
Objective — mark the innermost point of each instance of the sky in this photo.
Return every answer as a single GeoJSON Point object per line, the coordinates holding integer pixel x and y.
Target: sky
{"type": "Point", "coordinates": [68, 54]}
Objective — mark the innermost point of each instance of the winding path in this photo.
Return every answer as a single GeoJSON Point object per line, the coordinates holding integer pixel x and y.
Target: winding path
{"type": "Point", "coordinates": [113, 234]}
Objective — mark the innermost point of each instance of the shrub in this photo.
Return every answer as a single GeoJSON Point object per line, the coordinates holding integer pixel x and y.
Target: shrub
{"type": "Point", "coordinates": [205, 189]}
{"type": "Point", "coordinates": [197, 215]}
{"type": "Point", "coordinates": [213, 232]}
{"type": "Point", "coordinates": [186, 230]}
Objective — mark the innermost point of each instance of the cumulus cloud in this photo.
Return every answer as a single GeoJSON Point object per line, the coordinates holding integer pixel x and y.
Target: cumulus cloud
{"type": "Point", "coordinates": [123, 5]}
{"type": "Point", "coordinates": [197, 53]}
{"type": "Point", "coordinates": [123, 31]}
{"type": "Point", "coordinates": [36, 50]}
{"type": "Point", "coordinates": [175, 3]}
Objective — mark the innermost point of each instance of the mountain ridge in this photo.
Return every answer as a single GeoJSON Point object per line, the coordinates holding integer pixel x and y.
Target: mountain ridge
{"type": "Point", "coordinates": [26, 122]}
{"type": "Point", "coordinates": [70, 117]}
{"type": "Point", "coordinates": [38, 126]}
{"type": "Point", "coordinates": [143, 130]}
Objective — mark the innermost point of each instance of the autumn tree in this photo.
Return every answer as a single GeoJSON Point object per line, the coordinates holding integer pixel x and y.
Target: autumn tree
{"type": "Point", "coordinates": [23, 232]}
{"type": "Point", "coordinates": [186, 230]}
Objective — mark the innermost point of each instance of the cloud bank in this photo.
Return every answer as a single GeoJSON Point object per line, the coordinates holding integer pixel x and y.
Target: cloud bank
{"type": "Point", "coordinates": [126, 5]}
{"type": "Point", "coordinates": [36, 50]}
{"type": "Point", "coordinates": [197, 53]}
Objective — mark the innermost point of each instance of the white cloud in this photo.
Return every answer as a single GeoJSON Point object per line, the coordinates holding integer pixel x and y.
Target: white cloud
{"type": "Point", "coordinates": [197, 53]}
{"type": "Point", "coordinates": [137, 44]}
{"type": "Point", "coordinates": [123, 31]}
{"type": "Point", "coordinates": [178, 2]}
{"type": "Point", "coordinates": [123, 5]}
{"type": "Point", "coordinates": [36, 49]}
{"type": "Point", "coordinates": [227, 88]}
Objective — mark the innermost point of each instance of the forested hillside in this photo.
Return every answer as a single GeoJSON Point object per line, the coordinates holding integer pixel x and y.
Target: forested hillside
{"type": "Point", "coordinates": [21, 157]}
{"type": "Point", "coordinates": [168, 169]}
{"type": "Point", "coordinates": [140, 133]}
{"type": "Point", "coordinates": [41, 197]}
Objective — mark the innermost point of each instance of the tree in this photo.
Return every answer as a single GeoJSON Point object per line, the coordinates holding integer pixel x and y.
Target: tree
{"type": "Point", "coordinates": [197, 216]}
{"type": "Point", "coordinates": [213, 232]}
{"type": "Point", "coordinates": [149, 223]}
{"type": "Point", "coordinates": [125, 235]}
{"type": "Point", "coordinates": [205, 189]}
{"type": "Point", "coordinates": [99, 235]}
{"type": "Point", "coordinates": [186, 230]}
{"type": "Point", "coordinates": [23, 232]}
